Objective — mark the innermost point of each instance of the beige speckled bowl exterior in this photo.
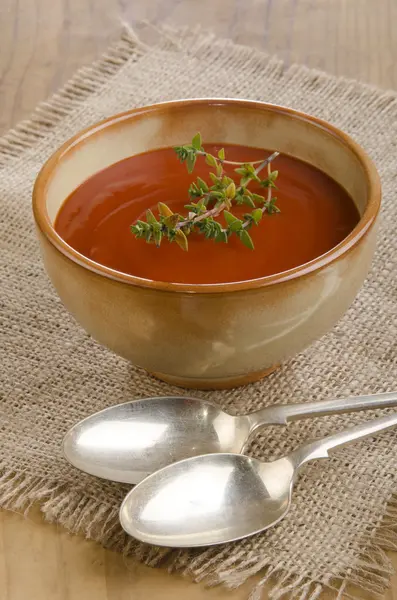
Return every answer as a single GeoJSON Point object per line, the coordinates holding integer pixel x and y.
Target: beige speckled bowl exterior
{"type": "Point", "coordinates": [209, 336]}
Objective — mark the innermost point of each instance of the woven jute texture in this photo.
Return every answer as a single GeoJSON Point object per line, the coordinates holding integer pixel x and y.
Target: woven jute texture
{"type": "Point", "coordinates": [52, 374]}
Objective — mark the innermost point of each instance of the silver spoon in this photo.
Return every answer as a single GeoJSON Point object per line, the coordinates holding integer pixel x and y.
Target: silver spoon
{"type": "Point", "coordinates": [129, 441]}
{"type": "Point", "coordinates": [218, 498]}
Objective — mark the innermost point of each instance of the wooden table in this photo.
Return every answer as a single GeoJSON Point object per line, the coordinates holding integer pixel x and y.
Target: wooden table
{"type": "Point", "coordinates": [42, 42]}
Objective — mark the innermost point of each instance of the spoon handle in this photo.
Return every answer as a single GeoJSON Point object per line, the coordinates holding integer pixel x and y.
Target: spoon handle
{"type": "Point", "coordinates": [283, 413]}
{"type": "Point", "coordinates": [321, 448]}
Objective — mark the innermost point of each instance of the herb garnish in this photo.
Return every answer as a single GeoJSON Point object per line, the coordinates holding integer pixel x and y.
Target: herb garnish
{"type": "Point", "coordinates": [208, 202]}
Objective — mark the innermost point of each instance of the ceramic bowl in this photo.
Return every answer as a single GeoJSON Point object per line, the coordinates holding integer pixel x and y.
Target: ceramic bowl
{"type": "Point", "coordinates": [221, 335]}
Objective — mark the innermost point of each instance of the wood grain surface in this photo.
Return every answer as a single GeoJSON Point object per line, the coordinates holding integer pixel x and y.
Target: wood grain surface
{"type": "Point", "coordinates": [42, 42]}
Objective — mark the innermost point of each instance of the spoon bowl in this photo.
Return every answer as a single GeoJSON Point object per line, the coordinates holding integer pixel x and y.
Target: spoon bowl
{"type": "Point", "coordinates": [204, 497]}
{"type": "Point", "coordinates": [129, 441]}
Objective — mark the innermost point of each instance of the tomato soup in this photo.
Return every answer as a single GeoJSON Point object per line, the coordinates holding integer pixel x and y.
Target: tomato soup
{"type": "Point", "coordinates": [316, 215]}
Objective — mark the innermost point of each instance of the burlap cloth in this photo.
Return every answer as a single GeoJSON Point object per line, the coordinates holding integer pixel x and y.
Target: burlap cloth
{"type": "Point", "coordinates": [53, 374]}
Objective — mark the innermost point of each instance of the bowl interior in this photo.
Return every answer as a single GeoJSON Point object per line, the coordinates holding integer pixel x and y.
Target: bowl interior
{"type": "Point", "coordinates": [247, 123]}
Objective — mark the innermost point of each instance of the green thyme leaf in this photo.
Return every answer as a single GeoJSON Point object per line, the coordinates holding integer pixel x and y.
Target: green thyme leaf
{"type": "Point", "coordinates": [221, 236]}
{"type": "Point", "coordinates": [216, 194]}
{"type": "Point", "coordinates": [246, 239]}
{"type": "Point", "coordinates": [202, 185]}
{"type": "Point", "coordinates": [248, 201]}
{"type": "Point", "coordinates": [237, 225]}
{"type": "Point", "coordinates": [201, 207]}
{"type": "Point", "coordinates": [231, 190]}
{"type": "Point", "coordinates": [211, 160]}
{"type": "Point", "coordinates": [196, 141]}
{"type": "Point", "coordinates": [257, 215]}
{"type": "Point", "coordinates": [181, 240]}
{"type": "Point", "coordinates": [190, 161]}
{"type": "Point", "coordinates": [164, 210]}
{"type": "Point", "coordinates": [150, 218]}
{"type": "Point", "coordinates": [157, 236]}
{"type": "Point", "coordinates": [229, 218]}
{"type": "Point", "coordinates": [240, 171]}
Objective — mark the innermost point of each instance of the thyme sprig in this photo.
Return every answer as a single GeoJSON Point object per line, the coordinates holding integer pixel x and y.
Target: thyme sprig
{"type": "Point", "coordinates": [208, 202]}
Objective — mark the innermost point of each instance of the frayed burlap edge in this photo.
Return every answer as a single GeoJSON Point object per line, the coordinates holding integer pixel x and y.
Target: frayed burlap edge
{"type": "Point", "coordinates": [81, 514]}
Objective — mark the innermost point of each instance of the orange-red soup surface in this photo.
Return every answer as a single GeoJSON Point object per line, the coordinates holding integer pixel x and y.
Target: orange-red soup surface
{"type": "Point", "coordinates": [316, 215]}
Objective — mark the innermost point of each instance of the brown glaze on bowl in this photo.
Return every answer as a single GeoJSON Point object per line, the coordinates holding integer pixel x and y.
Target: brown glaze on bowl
{"type": "Point", "coordinates": [220, 335]}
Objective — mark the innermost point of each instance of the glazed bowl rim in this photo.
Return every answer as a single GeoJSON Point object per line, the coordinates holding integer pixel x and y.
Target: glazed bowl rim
{"type": "Point", "coordinates": [360, 230]}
